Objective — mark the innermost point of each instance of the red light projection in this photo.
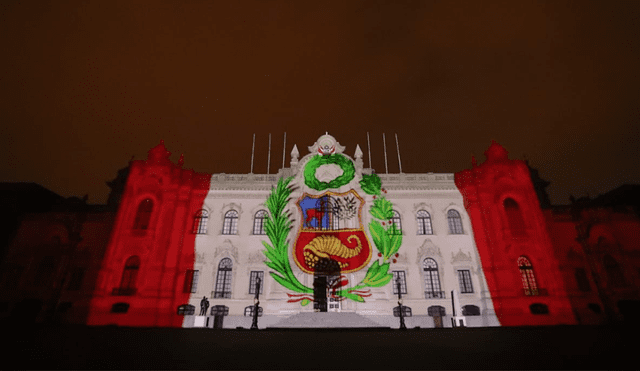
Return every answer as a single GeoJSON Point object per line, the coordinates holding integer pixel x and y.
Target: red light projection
{"type": "Point", "coordinates": [509, 230]}
{"type": "Point", "coordinates": [151, 246]}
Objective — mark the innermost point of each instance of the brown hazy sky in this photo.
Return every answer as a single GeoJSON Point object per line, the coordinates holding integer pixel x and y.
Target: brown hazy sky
{"type": "Point", "coordinates": [85, 85]}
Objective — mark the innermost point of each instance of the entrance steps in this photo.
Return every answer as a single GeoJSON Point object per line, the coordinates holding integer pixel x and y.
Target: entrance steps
{"type": "Point", "coordinates": [326, 320]}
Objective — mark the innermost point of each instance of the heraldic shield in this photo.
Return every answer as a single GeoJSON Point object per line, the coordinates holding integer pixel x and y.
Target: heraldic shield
{"type": "Point", "coordinates": [331, 228]}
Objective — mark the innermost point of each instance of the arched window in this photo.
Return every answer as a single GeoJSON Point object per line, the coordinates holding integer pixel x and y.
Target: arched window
{"type": "Point", "coordinates": [539, 308]}
{"type": "Point", "coordinates": [223, 280]}
{"type": "Point", "coordinates": [514, 217]}
{"type": "Point", "coordinates": [129, 276]}
{"type": "Point", "coordinates": [186, 309]}
{"type": "Point", "coordinates": [258, 222]}
{"type": "Point", "coordinates": [230, 222]}
{"type": "Point", "coordinates": [470, 310]}
{"type": "Point", "coordinates": [396, 222]}
{"type": "Point", "coordinates": [615, 277]}
{"type": "Point", "coordinates": [455, 222]}
{"type": "Point", "coordinates": [528, 279]}
{"type": "Point", "coordinates": [432, 279]}
{"type": "Point", "coordinates": [424, 222]}
{"type": "Point", "coordinates": [143, 215]}
{"type": "Point", "coordinates": [200, 222]}
{"type": "Point", "coordinates": [436, 310]}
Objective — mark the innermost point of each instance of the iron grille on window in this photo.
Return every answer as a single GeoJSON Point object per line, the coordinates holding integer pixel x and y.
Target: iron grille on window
{"type": "Point", "coordinates": [186, 309]}
{"type": "Point", "coordinates": [470, 310]}
{"type": "Point", "coordinates": [248, 311]}
{"type": "Point", "coordinates": [200, 222]}
{"type": "Point", "coordinates": [528, 279]}
{"type": "Point", "coordinates": [396, 222]}
{"type": "Point", "coordinates": [190, 281]}
{"type": "Point", "coordinates": [230, 222]}
{"type": "Point", "coordinates": [129, 277]}
{"type": "Point", "coordinates": [424, 222]}
{"type": "Point", "coordinates": [223, 280]}
{"type": "Point", "coordinates": [258, 222]}
{"type": "Point", "coordinates": [403, 282]}
{"type": "Point", "coordinates": [253, 281]}
{"type": "Point", "coordinates": [431, 279]}
{"type": "Point", "coordinates": [436, 310]}
{"type": "Point", "coordinates": [464, 278]}
{"type": "Point", "coordinates": [455, 222]}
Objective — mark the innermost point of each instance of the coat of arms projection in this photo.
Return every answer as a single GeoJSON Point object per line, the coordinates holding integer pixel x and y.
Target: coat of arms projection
{"type": "Point", "coordinates": [331, 239]}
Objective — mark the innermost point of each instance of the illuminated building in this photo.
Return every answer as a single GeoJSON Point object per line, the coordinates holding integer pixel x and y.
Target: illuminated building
{"type": "Point", "coordinates": [479, 235]}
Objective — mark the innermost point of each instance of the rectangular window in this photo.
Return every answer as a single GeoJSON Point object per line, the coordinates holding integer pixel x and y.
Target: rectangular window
{"type": "Point", "coordinates": [75, 281]}
{"type": "Point", "coordinates": [464, 277]}
{"type": "Point", "coordinates": [190, 281]}
{"type": "Point", "coordinates": [253, 281]}
{"type": "Point", "coordinates": [403, 282]}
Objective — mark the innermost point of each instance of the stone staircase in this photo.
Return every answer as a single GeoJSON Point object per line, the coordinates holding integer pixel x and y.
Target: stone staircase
{"type": "Point", "coordinates": [326, 320]}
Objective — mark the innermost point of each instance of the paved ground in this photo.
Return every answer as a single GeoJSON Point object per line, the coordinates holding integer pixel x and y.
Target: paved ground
{"type": "Point", "coordinates": [77, 347]}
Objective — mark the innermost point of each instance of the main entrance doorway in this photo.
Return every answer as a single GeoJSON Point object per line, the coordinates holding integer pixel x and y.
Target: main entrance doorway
{"type": "Point", "coordinates": [326, 273]}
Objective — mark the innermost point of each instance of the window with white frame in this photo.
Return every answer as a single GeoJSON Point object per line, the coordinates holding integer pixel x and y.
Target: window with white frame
{"type": "Point", "coordinates": [258, 222]}
{"type": "Point", "coordinates": [424, 222]}
{"type": "Point", "coordinates": [464, 278]}
{"type": "Point", "coordinates": [396, 220]}
{"type": "Point", "coordinates": [230, 222]}
{"type": "Point", "coordinates": [190, 281]}
{"type": "Point", "coordinates": [200, 222]}
{"type": "Point", "coordinates": [399, 275]}
{"type": "Point", "coordinates": [223, 280]}
{"type": "Point", "coordinates": [253, 281]}
{"type": "Point", "coordinates": [431, 279]}
{"type": "Point", "coordinates": [455, 222]}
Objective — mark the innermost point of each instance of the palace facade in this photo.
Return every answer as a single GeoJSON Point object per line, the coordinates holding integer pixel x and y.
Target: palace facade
{"type": "Point", "coordinates": [325, 234]}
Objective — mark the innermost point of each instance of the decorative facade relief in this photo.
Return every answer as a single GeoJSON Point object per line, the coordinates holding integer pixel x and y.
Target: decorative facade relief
{"type": "Point", "coordinates": [460, 257]}
{"type": "Point", "coordinates": [226, 249]}
{"type": "Point", "coordinates": [427, 249]}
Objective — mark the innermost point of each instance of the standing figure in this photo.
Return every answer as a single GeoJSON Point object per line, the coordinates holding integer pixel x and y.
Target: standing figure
{"type": "Point", "coordinates": [204, 304]}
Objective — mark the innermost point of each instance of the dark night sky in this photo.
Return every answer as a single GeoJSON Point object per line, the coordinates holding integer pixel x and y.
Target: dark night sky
{"type": "Point", "coordinates": [88, 84]}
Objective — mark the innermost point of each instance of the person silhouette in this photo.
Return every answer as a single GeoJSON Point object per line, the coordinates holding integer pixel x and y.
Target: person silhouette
{"type": "Point", "coordinates": [204, 304]}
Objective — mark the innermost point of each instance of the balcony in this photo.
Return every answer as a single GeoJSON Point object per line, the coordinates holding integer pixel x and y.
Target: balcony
{"type": "Point", "coordinates": [434, 294]}
{"type": "Point", "coordinates": [221, 294]}
{"type": "Point", "coordinates": [124, 291]}
{"type": "Point", "coordinates": [535, 292]}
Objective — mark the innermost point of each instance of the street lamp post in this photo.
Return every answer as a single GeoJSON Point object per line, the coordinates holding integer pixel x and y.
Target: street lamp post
{"type": "Point", "coordinates": [256, 301]}
{"type": "Point", "coordinates": [402, 325]}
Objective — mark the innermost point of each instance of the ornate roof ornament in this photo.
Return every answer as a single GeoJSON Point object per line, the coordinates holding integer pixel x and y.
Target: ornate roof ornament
{"type": "Point", "coordinates": [326, 145]}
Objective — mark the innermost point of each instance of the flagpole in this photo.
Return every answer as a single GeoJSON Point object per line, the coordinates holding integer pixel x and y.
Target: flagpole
{"type": "Point", "coordinates": [398, 148]}
{"type": "Point", "coordinates": [384, 142]}
{"type": "Point", "coordinates": [269, 155]}
{"type": "Point", "coordinates": [369, 150]}
{"type": "Point", "coordinates": [253, 147]}
{"type": "Point", "coordinates": [284, 147]}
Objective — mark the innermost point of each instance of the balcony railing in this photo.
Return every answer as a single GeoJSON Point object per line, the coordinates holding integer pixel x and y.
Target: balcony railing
{"type": "Point", "coordinates": [221, 294]}
{"type": "Point", "coordinates": [434, 294]}
{"type": "Point", "coordinates": [124, 291]}
{"type": "Point", "coordinates": [535, 292]}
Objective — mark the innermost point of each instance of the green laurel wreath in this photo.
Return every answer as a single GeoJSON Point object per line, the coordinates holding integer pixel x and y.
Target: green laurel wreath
{"type": "Point", "coordinates": [277, 227]}
{"type": "Point", "coordinates": [348, 171]}
{"type": "Point", "coordinates": [278, 224]}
